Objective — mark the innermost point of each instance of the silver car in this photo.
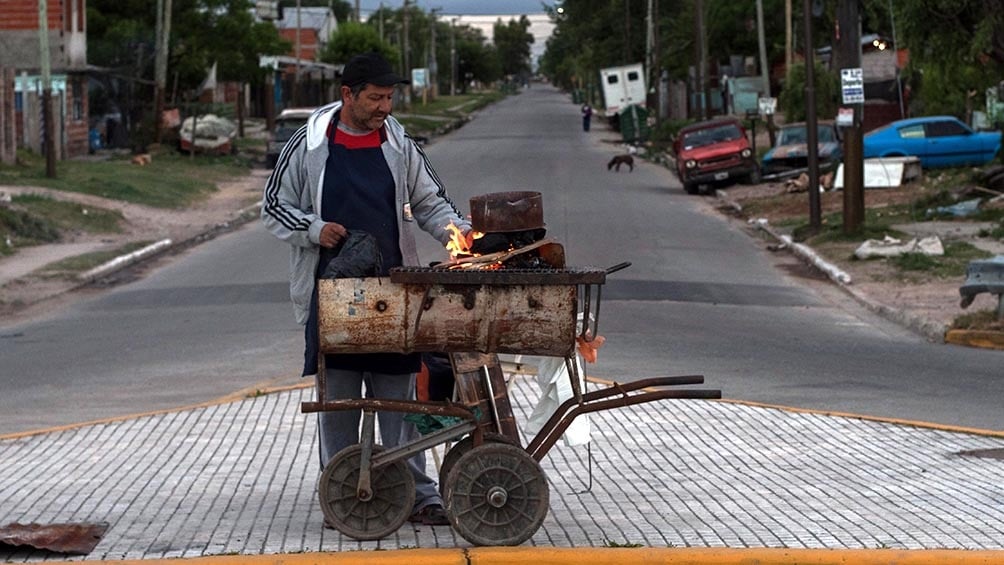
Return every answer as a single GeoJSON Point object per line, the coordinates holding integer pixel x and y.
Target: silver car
{"type": "Point", "coordinates": [286, 124]}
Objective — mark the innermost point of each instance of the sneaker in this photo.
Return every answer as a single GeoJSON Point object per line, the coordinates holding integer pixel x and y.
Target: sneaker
{"type": "Point", "coordinates": [431, 515]}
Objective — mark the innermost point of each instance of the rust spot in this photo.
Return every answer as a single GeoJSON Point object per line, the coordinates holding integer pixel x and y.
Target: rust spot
{"type": "Point", "coordinates": [985, 453]}
{"type": "Point", "coordinates": [71, 539]}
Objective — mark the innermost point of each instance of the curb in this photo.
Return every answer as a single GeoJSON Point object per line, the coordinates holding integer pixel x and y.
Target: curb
{"type": "Point", "coordinates": [165, 246]}
{"type": "Point", "coordinates": [932, 331]}
{"type": "Point", "coordinates": [976, 338]}
{"type": "Point", "coordinates": [123, 261]}
{"type": "Point", "coordinates": [599, 556]}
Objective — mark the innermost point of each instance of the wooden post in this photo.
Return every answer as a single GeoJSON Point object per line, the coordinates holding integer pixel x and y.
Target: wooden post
{"type": "Point", "coordinates": [47, 126]}
{"type": "Point", "coordinates": [8, 134]}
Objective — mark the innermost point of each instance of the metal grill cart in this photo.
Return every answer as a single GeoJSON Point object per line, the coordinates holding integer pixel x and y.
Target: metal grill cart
{"type": "Point", "coordinates": [495, 491]}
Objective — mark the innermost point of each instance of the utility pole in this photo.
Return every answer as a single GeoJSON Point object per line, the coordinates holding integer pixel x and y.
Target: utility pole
{"type": "Point", "coordinates": [649, 45]}
{"type": "Point", "coordinates": [433, 85]}
{"type": "Point", "coordinates": [762, 46]}
{"type": "Point", "coordinates": [296, 78]}
{"type": "Point", "coordinates": [702, 111]}
{"type": "Point", "coordinates": [627, 30]}
{"type": "Point", "coordinates": [163, 36]}
{"type": "Point", "coordinates": [453, 57]}
{"type": "Point", "coordinates": [811, 134]}
{"type": "Point", "coordinates": [787, 35]}
{"type": "Point", "coordinates": [381, 21]}
{"type": "Point", "coordinates": [407, 58]}
{"type": "Point", "coordinates": [48, 128]}
{"type": "Point", "coordinates": [656, 64]}
{"type": "Point", "coordinates": [847, 55]}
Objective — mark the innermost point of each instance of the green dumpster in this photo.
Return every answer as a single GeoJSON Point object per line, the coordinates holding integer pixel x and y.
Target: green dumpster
{"type": "Point", "coordinates": [633, 121]}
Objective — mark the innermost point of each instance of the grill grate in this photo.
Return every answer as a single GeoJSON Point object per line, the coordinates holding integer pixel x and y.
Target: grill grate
{"type": "Point", "coordinates": [428, 275]}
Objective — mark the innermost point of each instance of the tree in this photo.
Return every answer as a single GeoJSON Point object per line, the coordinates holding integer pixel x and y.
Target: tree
{"type": "Point", "coordinates": [353, 38]}
{"type": "Point", "coordinates": [792, 98]}
{"type": "Point", "coordinates": [512, 41]}
{"type": "Point", "coordinates": [954, 61]}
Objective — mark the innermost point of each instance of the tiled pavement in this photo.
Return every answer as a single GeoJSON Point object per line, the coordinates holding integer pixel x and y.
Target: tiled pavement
{"type": "Point", "coordinates": [240, 478]}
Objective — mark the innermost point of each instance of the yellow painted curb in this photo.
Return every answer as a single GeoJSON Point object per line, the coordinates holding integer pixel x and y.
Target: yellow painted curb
{"type": "Point", "coordinates": [727, 556]}
{"type": "Point", "coordinates": [600, 556]}
{"type": "Point", "coordinates": [976, 338]}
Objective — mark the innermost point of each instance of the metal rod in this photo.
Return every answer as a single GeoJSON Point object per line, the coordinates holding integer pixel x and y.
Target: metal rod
{"type": "Point", "coordinates": [542, 445]}
{"type": "Point", "coordinates": [409, 406]}
{"type": "Point", "coordinates": [491, 398]}
{"type": "Point", "coordinates": [618, 267]}
{"type": "Point", "coordinates": [596, 318]}
{"type": "Point", "coordinates": [589, 468]}
{"type": "Point", "coordinates": [615, 389]}
{"type": "Point", "coordinates": [406, 450]}
{"type": "Point", "coordinates": [572, 367]}
{"type": "Point", "coordinates": [364, 490]}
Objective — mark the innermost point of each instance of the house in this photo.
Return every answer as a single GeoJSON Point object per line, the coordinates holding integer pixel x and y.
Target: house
{"type": "Point", "coordinates": [317, 79]}
{"type": "Point", "coordinates": [316, 26]}
{"type": "Point", "coordinates": [21, 76]}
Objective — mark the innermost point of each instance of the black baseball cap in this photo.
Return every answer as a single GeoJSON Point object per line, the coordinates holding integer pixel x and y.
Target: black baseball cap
{"type": "Point", "coordinates": [370, 68]}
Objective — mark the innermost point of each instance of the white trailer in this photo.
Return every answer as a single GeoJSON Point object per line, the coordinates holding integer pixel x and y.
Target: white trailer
{"type": "Point", "coordinates": [623, 86]}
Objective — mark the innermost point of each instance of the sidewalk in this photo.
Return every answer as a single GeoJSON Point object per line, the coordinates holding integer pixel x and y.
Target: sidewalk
{"type": "Point", "coordinates": [240, 479]}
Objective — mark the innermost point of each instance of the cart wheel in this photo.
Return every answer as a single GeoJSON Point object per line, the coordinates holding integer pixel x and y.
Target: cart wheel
{"type": "Point", "coordinates": [496, 495]}
{"type": "Point", "coordinates": [460, 448]}
{"type": "Point", "coordinates": [375, 517]}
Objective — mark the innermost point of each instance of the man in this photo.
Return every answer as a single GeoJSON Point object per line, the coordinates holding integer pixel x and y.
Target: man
{"type": "Point", "coordinates": [352, 169]}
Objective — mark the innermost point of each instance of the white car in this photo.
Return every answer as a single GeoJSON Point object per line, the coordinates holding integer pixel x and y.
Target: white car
{"type": "Point", "coordinates": [286, 124]}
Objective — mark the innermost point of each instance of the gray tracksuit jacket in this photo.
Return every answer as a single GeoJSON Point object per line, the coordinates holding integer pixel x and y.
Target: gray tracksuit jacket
{"type": "Point", "coordinates": [292, 199]}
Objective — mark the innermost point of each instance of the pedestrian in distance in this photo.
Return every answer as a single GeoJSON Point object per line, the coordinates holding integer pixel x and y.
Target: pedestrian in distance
{"type": "Point", "coordinates": [352, 169]}
{"type": "Point", "coordinates": [587, 114]}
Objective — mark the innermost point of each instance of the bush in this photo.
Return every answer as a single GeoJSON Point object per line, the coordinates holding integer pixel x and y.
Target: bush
{"type": "Point", "coordinates": [825, 86]}
{"type": "Point", "coordinates": [20, 226]}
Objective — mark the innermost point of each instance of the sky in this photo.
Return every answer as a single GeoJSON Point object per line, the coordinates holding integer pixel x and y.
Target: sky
{"type": "Point", "coordinates": [540, 28]}
{"type": "Point", "coordinates": [462, 7]}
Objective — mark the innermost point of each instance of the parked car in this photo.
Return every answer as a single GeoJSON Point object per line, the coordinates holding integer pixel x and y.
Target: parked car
{"type": "Point", "coordinates": [938, 141]}
{"type": "Point", "coordinates": [790, 155]}
{"type": "Point", "coordinates": [286, 124]}
{"type": "Point", "coordinates": [714, 152]}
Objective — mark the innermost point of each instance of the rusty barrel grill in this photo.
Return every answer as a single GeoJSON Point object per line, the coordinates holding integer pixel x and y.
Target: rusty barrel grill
{"type": "Point", "coordinates": [494, 489]}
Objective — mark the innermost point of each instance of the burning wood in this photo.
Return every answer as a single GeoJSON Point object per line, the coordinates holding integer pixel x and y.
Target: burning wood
{"type": "Point", "coordinates": [460, 243]}
{"type": "Point", "coordinates": [495, 260]}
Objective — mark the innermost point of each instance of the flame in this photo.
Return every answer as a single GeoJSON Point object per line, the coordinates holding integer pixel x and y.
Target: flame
{"type": "Point", "coordinates": [459, 243]}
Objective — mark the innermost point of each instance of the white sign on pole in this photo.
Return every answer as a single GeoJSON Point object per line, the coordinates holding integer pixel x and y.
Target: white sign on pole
{"type": "Point", "coordinates": [766, 105]}
{"type": "Point", "coordinates": [418, 78]}
{"type": "Point", "coordinates": [845, 117]}
{"type": "Point", "coordinates": [852, 85]}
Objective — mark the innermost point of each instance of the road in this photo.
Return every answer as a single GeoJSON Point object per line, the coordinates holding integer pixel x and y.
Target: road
{"type": "Point", "coordinates": [701, 297]}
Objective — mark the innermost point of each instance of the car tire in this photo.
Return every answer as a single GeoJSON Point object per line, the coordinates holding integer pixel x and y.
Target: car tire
{"type": "Point", "coordinates": [689, 187]}
{"type": "Point", "coordinates": [754, 177]}
{"type": "Point", "coordinates": [270, 161]}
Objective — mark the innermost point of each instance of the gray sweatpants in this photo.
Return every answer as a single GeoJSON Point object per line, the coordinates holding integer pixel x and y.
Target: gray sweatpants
{"type": "Point", "coordinates": [340, 429]}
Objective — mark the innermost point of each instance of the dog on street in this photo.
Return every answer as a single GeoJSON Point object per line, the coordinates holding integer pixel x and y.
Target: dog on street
{"type": "Point", "coordinates": [619, 160]}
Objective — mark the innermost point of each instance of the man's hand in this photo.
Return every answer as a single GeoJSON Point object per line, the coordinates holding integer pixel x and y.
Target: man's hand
{"type": "Point", "coordinates": [332, 234]}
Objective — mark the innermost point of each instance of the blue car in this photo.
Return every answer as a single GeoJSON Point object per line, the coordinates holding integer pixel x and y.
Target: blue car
{"type": "Point", "coordinates": [938, 141]}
